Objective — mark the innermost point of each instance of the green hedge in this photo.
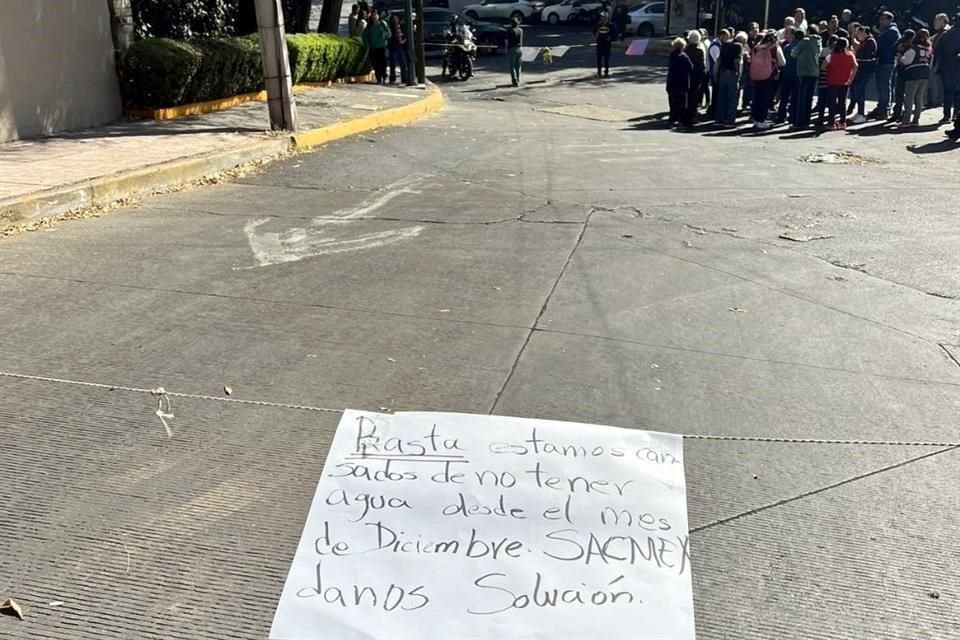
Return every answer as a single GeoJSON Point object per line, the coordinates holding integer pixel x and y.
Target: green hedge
{"type": "Point", "coordinates": [160, 72]}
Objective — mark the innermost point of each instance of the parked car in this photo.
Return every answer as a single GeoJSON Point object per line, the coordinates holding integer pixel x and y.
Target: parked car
{"type": "Point", "coordinates": [435, 20]}
{"type": "Point", "coordinates": [522, 10]}
{"type": "Point", "coordinates": [400, 6]}
{"type": "Point", "coordinates": [562, 12]}
{"type": "Point", "coordinates": [648, 20]}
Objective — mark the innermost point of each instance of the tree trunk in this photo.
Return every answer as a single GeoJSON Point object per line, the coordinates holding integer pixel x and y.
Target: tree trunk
{"type": "Point", "coordinates": [296, 15]}
{"type": "Point", "coordinates": [330, 16]}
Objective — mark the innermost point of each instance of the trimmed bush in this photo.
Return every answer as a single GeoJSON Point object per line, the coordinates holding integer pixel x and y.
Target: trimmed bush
{"type": "Point", "coordinates": [160, 72]}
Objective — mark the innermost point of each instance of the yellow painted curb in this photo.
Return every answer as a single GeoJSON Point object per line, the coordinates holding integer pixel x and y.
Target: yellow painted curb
{"type": "Point", "coordinates": [396, 116]}
{"type": "Point", "coordinates": [197, 108]}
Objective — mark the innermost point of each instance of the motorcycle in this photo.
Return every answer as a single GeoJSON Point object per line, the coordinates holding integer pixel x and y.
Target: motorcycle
{"type": "Point", "coordinates": [460, 52]}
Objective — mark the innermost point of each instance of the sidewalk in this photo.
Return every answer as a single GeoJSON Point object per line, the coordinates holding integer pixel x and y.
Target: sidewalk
{"type": "Point", "coordinates": [49, 176]}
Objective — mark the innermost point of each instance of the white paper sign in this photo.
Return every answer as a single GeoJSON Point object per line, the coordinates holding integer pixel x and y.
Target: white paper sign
{"type": "Point", "coordinates": [440, 526]}
{"type": "Point", "coordinates": [529, 54]}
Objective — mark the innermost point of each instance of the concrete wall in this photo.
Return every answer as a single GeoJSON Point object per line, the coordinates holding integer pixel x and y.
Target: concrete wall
{"type": "Point", "coordinates": [56, 67]}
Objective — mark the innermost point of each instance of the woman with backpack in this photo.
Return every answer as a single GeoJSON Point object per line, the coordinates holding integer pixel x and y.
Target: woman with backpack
{"type": "Point", "coordinates": [841, 68]}
{"type": "Point", "coordinates": [915, 71]}
{"type": "Point", "coordinates": [765, 61]}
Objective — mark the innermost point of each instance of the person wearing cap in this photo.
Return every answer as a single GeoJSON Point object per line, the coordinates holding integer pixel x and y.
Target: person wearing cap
{"type": "Point", "coordinates": [514, 46]}
{"type": "Point", "coordinates": [887, 41]}
{"type": "Point", "coordinates": [604, 36]}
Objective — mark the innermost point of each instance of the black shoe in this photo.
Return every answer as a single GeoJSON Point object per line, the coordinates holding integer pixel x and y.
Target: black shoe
{"type": "Point", "coordinates": [954, 133]}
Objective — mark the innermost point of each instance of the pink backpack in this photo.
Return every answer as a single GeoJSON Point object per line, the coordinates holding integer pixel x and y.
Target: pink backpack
{"type": "Point", "coordinates": [761, 64]}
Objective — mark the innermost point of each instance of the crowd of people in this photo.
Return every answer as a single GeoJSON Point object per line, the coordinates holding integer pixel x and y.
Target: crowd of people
{"type": "Point", "coordinates": [385, 39]}
{"type": "Point", "coordinates": [817, 75]}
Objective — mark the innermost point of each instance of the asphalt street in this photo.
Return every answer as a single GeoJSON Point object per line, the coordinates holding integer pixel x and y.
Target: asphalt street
{"type": "Point", "coordinates": [551, 251]}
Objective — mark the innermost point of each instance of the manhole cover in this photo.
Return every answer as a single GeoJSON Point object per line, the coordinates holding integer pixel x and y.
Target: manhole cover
{"type": "Point", "coordinates": [837, 157]}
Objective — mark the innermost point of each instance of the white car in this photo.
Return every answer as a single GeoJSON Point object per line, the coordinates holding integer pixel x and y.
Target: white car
{"type": "Point", "coordinates": [648, 20]}
{"type": "Point", "coordinates": [557, 13]}
{"type": "Point", "coordinates": [522, 10]}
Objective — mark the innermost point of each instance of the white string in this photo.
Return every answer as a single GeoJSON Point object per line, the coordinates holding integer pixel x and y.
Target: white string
{"type": "Point", "coordinates": [164, 411]}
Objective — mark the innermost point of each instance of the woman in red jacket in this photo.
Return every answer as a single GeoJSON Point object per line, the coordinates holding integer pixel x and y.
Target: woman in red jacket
{"type": "Point", "coordinates": [841, 67]}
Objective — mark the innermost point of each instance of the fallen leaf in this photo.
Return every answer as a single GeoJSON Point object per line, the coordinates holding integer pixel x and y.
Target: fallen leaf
{"type": "Point", "coordinates": [9, 607]}
{"type": "Point", "coordinates": [227, 390]}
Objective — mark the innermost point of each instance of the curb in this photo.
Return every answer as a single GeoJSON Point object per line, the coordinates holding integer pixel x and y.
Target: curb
{"type": "Point", "coordinates": [209, 106]}
{"type": "Point", "coordinates": [144, 181]}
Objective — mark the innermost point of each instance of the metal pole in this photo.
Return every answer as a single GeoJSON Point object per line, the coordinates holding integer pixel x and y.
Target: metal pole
{"type": "Point", "coordinates": [716, 20]}
{"type": "Point", "coordinates": [418, 37]}
{"type": "Point", "coordinates": [411, 50]}
{"type": "Point", "coordinates": [276, 65]}
{"type": "Point", "coordinates": [766, 15]}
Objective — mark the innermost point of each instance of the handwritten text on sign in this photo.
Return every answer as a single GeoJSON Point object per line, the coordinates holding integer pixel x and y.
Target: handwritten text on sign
{"type": "Point", "coordinates": [445, 526]}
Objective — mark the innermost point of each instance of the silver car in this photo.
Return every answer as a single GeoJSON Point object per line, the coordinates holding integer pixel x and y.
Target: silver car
{"type": "Point", "coordinates": [522, 10]}
{"type": "Point", "coordinates": [648, 20]}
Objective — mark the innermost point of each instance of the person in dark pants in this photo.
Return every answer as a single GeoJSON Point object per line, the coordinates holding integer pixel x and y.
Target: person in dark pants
{"type": "Point", "coordinates": [397, 46]}
{"type": "Point", "coordinates": [807, 54]}
{"type": "Point", "coordinates": [729, 63]}
{"type": "Point", "coordinates": [621, 17]}
{"type": "Point", "coordinates": [948, 51]}
{"type": "Point", "coordinates": [695, 52]}
{"type": "Point", "coordinates": [514, 46]}
{"type": "Point", "coordinates": [766, 59]}
{"type": "Point", "coordinates": [679, 84]}
{"type": "Point", "coordinates": [788, 77]}
{"type": "Point", "coordinates": [866, 51]}
{"type": "Point", "coordinates": [376, 36]}
{"type": "Point", "coordinates": [887, 41]}
{"type": "Point", "coordinates": [899, 84]}
{"type": "Point", "coordinates": [841, 67]}
{"type": "Point", "coordinates": [604, 35]}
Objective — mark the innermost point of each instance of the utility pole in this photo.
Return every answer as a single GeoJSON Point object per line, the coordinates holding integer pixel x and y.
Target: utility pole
{"type": "Point", "coordinates": [276, 65]}
{"type": "Point", "coordinates": [766, 15]}
{"type": "Point", "coordinates": [418, 38]}
{"type": "Point", "coordinates": [409, 30]}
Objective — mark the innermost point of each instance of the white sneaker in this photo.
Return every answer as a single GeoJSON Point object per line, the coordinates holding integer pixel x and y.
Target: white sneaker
{"type": "Point", "coordinates": [858, 119]}
{"type": "Point", "coordinates": [766, 124]}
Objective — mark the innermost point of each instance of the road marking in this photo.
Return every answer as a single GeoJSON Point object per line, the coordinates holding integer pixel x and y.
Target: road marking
{"type": "Point", "coordinates": [298, 243]}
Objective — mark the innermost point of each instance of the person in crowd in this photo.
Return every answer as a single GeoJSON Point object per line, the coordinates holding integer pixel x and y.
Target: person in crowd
{"type": "Point", "coordinates": [846, 21]}
{"type": "Point", "coordinates": [887, 40]}
{"type": "Point", "coordinates": [915, 66]}
{"type": "Point", "coordinates": [765, 60]}
{"type": "Point", "coordinates": [788, 78]}
{"type": "Point", "coordinates": [695, 53]}
{"type": "Point", "coordinates": [352, 20]}
{"type": "Point", "coordinates": [729, 67]}
{"type": "Point", "coordinates": [360, 24]}
{"type": "Point", "coordinates": [621, 18]}
{"type": "Point", "coordinates": [788, 23]}
{"type": "Point", "coordinates": [866, 52]}
{"type": "Point", "coordinates": [514, 46]}
{"type": "Point", "coordinates": [822, 93]}
{"type": "Point", "coordinates": [397, 48]}
{"type": "Point", "coordinates": [376, 37]}
{"type": "Point", "coordinates": [807, 54]}
{"type": "Point", "coordinates": [705, 92]}
{"type": "Point", "coordinates": [679, 84]}
{"type": "Point", "coordinates": [800, 20]}
{"type": "Point", "coordinates": [746, 87]}
{"type": "Point", "coordinates": [936, 96]}
{"type": "Point", "coordinates": [899, 89]}
{"type": "Point", "coordinates": [604, 35]}
{"type": "Point", "coordinates": [713, 69]}
{"type": "Point", "coordinates": [841, 68]}
{"type": "Point", "coordinates": [833, 29]}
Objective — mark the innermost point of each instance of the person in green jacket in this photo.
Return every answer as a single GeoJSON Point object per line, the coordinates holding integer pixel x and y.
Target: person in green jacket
{"type": "Point", "coordinates": [807, 54]}
{"type": "Point", "coordinates": [377, 36]}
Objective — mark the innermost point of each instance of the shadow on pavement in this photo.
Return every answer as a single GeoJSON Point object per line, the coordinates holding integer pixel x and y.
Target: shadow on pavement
{"type": "Point", "coordinates": [934, 147]}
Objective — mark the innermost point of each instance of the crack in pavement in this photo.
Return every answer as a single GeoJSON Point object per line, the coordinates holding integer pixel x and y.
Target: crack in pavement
{"type": "Point", "coordinates": [819, 490]}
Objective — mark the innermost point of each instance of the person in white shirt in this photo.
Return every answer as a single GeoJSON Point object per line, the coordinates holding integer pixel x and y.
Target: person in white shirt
{"type": "Point", "coordinates": [800, 19]}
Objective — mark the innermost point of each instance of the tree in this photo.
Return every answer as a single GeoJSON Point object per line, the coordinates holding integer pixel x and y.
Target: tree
{"type": "Point", "coordinates": [296, 15]}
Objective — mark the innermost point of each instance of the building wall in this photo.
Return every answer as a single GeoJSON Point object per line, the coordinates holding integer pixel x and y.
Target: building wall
{"type": "Point", "coordinates": [56, 67]}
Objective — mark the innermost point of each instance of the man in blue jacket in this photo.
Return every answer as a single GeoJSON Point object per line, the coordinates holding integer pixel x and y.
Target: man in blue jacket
{"type": "Point", "coordinates": [886, 63]}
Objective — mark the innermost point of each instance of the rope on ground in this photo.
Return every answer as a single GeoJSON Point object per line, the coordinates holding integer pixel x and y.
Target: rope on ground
{"type": "Point", "coordinates": [164, 411]}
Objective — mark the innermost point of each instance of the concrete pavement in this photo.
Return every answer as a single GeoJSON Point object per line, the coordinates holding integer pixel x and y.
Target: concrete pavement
{"type": "Point", "coordinates": [571, 260]}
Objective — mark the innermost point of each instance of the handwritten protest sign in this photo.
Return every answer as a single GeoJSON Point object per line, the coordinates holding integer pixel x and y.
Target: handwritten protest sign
{"type": "Point", "coordinates": [430, 526]}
